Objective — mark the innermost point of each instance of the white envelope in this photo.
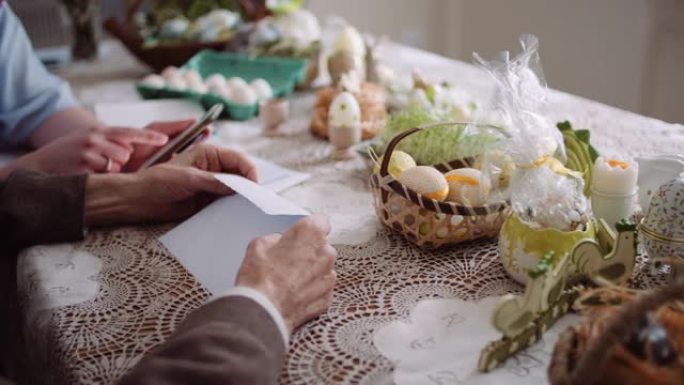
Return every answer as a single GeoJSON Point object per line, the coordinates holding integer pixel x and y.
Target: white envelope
{"type": "Point", "coordinates": [212, 243]}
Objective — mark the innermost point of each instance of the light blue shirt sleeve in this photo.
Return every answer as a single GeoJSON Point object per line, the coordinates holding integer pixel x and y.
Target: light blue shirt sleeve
{"type": "Point", "coordinates": [29, 94]}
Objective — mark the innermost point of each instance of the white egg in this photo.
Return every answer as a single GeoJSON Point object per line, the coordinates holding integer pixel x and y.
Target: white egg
{"type": "Point", "coordinates": [177, 83]}
{"type": "Point", "coordinates": [153, 80]}
{"type": "Point", "coordinates": [236, 82]}
{"type": "Point", "coordinates": [192, 77]}
{"type": "Point", "coordinates": [243, 95]}
{"type": "Point", "coordinates": [215, 80]}
{"type": "Point", "coordinates": [468, 186]}
{"type": "Point", "coordinates": [344, 110]}
{"type": "Point", "coordinates": [224, 92]}
{"type": "Point", "coordinates": [170, 72]}
{"type": "Point", "coordinates": [199, 88]}
{"type": "Point", "coordinates": [262, 89]}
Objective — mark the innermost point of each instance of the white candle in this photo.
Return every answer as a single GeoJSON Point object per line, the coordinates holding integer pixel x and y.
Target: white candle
{"type": "Point", "coordinates": [615, 176]}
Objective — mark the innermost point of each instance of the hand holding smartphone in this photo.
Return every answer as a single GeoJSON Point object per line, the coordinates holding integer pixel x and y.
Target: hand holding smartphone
{"type": "Point", "coordinates": [185, 139]}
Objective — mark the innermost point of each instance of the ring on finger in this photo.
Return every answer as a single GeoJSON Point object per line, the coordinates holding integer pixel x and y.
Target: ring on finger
{"type": "Point", "coordinates": [108, 167]}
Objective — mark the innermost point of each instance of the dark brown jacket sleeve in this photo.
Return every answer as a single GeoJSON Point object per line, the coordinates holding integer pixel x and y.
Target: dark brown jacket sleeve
{"type": "Point", "coordinates": [231, 340]}
{"type": "Point", "coordinates": [36, 208]}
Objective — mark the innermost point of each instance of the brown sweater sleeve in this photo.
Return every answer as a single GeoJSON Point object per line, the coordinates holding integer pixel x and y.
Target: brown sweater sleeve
{"type": "Point", "coordinates": [231, 340]}
{"type": "Point", "coordinates": [36, 208]}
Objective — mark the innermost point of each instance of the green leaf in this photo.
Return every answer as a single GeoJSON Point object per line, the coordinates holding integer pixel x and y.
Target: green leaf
{"type": "Point", "coordinates": [564, 126]}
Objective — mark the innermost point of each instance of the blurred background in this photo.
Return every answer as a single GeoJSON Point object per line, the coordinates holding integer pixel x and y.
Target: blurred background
{"type": "Point", "coordinates": [625, 53]}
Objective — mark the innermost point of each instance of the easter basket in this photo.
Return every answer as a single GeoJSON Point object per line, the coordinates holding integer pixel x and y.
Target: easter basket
{"type": "Point", "coordinates": [626, 337]}
{"type": "Point", "coordinates": [426, 222]}
{"type": "Point", "coordinates": [163, 55]}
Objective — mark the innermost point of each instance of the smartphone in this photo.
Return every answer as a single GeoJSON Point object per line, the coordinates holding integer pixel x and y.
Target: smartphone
{"type": "Point", "coordinates": [185, 139]}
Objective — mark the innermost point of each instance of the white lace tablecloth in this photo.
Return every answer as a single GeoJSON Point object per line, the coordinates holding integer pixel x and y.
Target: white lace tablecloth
{"type": "Point", "coordinates": [95, 307]}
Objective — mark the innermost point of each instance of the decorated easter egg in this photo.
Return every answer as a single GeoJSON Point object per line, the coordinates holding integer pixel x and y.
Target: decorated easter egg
{"type": "Point", "coordinates": [662, 229]}
{"type": "Point", "coordinates": [214, 81]}
{"type": "Point", "coordinates": [243, 95]}
{"type": "Point", "coordinates": [170, 72]}
{"type": "Point", "coordinates": [426, 181]}
{"type": "Point", "coordinates": [153, 80]}
{"type": "Point", "coordinates": [262, 89]}
{"type": "Point", "coordinates": [399, 162]}
{"type": "Point", "coordinates": [468, 186]}
{"type": "Point", "coordinates": [344, 110]}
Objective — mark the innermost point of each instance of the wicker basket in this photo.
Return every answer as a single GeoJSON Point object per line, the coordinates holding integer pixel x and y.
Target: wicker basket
{"type": "Point", "coordinates": [373, 103]}
{"type": "Point", "coordinates": [164, 55]}
{"type": "Point", "coordinates": [603, 348]}
{"type": "Point", "coordinates": [426, 222]}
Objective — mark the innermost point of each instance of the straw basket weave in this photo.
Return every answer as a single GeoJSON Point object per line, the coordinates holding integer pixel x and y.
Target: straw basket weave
{"type": "Point", "coordinates": [426, 222]}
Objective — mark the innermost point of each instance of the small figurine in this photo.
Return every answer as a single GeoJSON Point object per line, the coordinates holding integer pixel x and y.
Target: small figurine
{"type": "Point", "coordinates": [547, 280]}
{"type": "Point", "coordinates": [523, 319]}
{"type": "Point", "coordinates": [612, 258]}
{"type": "Point", "coordinates": [349, 54]}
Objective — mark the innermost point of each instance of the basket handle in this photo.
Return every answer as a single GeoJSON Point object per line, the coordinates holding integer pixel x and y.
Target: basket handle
{"type": "Point", "coordinates": [384, 166]}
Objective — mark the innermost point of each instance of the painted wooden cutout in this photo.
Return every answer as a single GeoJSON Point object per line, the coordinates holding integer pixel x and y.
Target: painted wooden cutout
{"type": "Point", "coordinates": [524, 319]}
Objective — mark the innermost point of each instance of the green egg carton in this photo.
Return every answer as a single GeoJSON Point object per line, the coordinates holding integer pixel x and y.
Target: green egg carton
{"type": "Point", "coordinates": [282, 74]}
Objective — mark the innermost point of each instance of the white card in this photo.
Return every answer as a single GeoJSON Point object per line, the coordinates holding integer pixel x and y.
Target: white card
{"type": "Point", "coordinates": [277, 178]}
{"type": "Point", "coordinates": [212, 243]}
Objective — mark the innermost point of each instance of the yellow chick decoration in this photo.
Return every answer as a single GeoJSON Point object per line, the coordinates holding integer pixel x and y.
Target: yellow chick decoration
{"type": "Point", "coordinates": [399, 162]}
{"type": "Point", "coordinates": [468, 186]}
{"type": "Point", "coordinates": [426, 181]}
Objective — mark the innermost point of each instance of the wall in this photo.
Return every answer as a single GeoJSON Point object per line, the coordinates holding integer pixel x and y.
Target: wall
{"type": "Point", "coordinates": [626, 53]}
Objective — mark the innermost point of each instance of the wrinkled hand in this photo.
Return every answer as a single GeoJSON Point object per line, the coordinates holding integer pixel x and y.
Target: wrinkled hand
{"type": "Point", "coordinates": [141, 152]}
{"type": "Point", "coordinates": [87, 151]}
{"type": "Point", "coordinates": [168, 191]}
{"type": "Point", "coordinates": [295, 270]}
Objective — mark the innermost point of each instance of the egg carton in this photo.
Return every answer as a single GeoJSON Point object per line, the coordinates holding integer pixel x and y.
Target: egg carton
{"type": "Point", "coordinates": [281, 74]}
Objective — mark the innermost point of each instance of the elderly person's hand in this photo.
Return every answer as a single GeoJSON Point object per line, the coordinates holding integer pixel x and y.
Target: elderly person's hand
{"type": "Point", "coordinates": [141, 152]}
{"type": "Point", "coordinates": [168, 191]}
{"type": "Point", "coordinates": [100, 149]}
{"type": "Point", "coordinates": [294, 270]}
